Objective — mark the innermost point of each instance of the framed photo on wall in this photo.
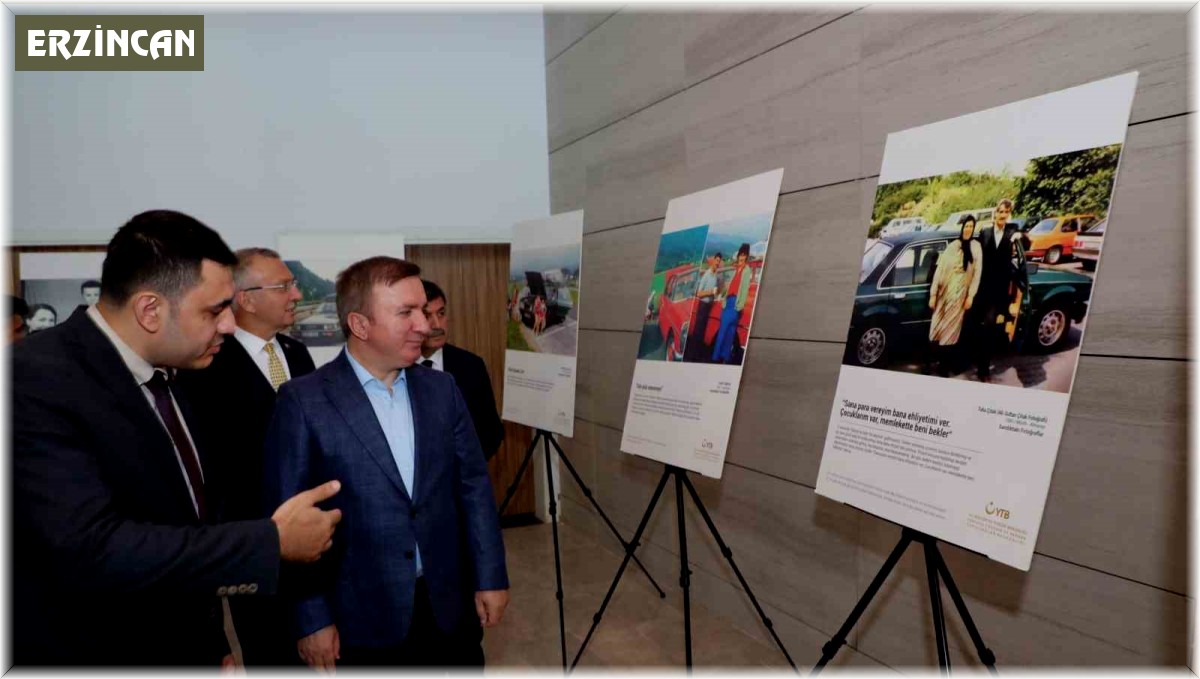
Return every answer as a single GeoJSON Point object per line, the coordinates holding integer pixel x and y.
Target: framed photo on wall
{"type": "Point", "coordinates": [55, 280]}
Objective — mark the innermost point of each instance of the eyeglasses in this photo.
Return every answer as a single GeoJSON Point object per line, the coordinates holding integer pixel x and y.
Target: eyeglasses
{"type": "Point", "coordinates": [284, 287]}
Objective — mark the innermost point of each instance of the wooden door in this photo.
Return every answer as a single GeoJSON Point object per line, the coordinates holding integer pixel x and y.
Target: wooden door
{"type": "Point", "coordinates": [474, 278]}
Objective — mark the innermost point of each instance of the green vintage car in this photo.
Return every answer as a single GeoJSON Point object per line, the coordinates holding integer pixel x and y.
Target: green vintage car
{"type": "Point", "coordinates": [891, 310]}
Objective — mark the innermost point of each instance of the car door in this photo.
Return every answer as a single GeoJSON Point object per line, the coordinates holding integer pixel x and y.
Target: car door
{"type": "Point", "coordinates": [906, 285]}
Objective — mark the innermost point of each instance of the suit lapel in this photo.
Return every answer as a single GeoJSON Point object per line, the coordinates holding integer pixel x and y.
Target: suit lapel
{"type": "Point", "coordinates": [101, 359]}
{"type": "Point", "coordinates": [347, 395]}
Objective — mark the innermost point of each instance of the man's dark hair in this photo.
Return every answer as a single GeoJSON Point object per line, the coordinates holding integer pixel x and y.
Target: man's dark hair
{"type": "Point", "coordinates": [17, 307]}
{"type": "Point", "coordinates": [744, 250]}
{"type": "Point", "coordinates": [159, 250]}
{"type": "Point", "coordinates": [88, 284]}
{"type": "Point", "coordinates": [433, 291]}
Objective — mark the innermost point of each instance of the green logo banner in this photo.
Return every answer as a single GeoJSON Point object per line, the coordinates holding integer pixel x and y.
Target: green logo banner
{"type": "Point", "coordinates": [95, 42]}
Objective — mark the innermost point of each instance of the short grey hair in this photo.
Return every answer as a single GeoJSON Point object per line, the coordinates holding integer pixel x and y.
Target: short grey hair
{"type": "Point", "coordinates": [245, 257]}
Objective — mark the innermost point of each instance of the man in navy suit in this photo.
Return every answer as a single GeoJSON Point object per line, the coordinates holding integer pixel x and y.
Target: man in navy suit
{"type": "Point", "coordinates": [469, 371]}
{"type": "Point", "coordinates": [418, 563]}
{"type": "Point", "coordinates": [234, 399]}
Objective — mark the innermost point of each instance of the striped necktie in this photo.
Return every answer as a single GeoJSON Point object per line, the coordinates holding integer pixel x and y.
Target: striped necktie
{"type": "Point", "coordinates": [275, 370]}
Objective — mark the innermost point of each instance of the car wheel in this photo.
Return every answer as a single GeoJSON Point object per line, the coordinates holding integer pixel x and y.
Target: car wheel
{"type": "Point", "coordinates": [1053, 326]}
{"type": "Point", "coordinates": [870, 350]}
{"type": "Point", "coordinates": [1054, 255]}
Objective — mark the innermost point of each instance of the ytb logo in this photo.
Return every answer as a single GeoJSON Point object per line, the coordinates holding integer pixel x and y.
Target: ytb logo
{"type": "Point", "coordinates": [993, 510]}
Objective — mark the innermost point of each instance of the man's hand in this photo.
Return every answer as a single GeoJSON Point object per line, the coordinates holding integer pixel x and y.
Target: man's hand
{"type": "Point", "coordinates": [490, 605]}
{"type": "Point", "coordinates": [321, 648]}
{"type": "Point", "coordinates": [305, 531]}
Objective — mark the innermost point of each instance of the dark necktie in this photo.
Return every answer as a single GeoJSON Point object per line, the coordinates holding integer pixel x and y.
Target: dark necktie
{"type": "Point", "coordinates": [161, 391]}
{"type": "Point", "coordinates": [428, 363]}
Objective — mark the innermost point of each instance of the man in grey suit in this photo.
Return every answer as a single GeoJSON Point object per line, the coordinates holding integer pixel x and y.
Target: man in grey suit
{"type": "Point", "coordinates": [418, 563]}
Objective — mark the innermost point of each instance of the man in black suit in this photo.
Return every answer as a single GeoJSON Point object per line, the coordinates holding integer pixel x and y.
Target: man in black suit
{"type": "Point", "coordinates": [118, 556]}
{"type": "Point", "coordinates": [234, 399]}
{"type": "Point", "coordinates": [997, 281]}
{"type": "Point", "coordinates": [468, 370]}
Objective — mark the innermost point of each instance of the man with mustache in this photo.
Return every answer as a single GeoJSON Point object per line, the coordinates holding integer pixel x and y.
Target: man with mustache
{"type": "Point", "coordinates": [234, 398]}
{"type": "Point", "coordinates": [468, 370]}
{"type": "Point", "coordinates": [120, 556]}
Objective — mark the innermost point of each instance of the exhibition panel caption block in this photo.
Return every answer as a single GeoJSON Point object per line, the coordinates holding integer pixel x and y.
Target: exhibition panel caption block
{"type": "Point", "coordinates": [542, 308]}
{"type": "Point", "coordinates": [972, 300]}
{"type": "Point", "coordinates": [707, 275]}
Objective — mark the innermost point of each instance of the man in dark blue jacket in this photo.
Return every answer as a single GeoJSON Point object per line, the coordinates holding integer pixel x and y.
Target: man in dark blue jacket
{"type": "Point", "coordinates": [418, 564]}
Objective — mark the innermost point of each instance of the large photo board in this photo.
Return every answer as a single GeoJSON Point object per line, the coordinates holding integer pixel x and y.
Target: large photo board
{"type": "Point", "coordinates": [543, 323]}
{"type": "Point", "coordinates": [972, 300]}
{"type": "Point", "coordinates": [315, 260]}
{"type": "Point", "coordinates": [707, 275]}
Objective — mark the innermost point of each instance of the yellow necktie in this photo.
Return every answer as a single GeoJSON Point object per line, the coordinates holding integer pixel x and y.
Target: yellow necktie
{"type": "Point", "coordinates": [275, 367]}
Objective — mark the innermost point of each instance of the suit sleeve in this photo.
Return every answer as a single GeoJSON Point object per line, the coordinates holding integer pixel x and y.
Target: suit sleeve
{"type": "Point", "coordinates": [288, 470]}
{"type": "Point", "coordinates": [478, 503]}
{"type": "Point", "coordinates": [65, 504]}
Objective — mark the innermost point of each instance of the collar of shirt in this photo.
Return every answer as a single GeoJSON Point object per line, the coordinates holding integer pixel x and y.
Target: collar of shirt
{"type": "Point", "coordinates": [439, 360]}
{"type": "Point", "coordinates": [365, 378]}
{"type": "Point", "coordinates": [254, 344]}
{"type": "Point", "coordinates": [140, 367]}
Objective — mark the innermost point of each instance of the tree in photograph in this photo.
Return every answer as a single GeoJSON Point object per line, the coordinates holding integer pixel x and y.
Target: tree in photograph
{"type": "Point", "coordinates": [1069, 183]}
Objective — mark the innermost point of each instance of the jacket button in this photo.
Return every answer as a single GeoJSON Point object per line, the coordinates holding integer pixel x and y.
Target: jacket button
{"type": "Point", "coordinates": [252, 588]}
{"type": "Point", "coordinates": [222, 590]}
{"type": "Point", "coordinates": [242, 589]}
{"type": "Point", "coordinates": [408, 554]}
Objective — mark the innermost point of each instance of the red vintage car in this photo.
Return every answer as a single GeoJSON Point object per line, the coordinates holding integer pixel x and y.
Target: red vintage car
{"type": "Point", "coordinates": [678, 308]}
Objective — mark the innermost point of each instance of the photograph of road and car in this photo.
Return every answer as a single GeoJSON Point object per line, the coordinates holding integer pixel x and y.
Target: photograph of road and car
{"type": "Point", "coordinates": [543, 300]}
{"type": "Point", "coordinates": [702, 296]}
{"type": "Point", "coordinates": [984, 274]}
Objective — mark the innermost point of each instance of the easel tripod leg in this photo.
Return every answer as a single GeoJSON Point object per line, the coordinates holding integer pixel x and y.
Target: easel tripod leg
{"type": "Point", "coordinates": [587, 492]}
{"type": "Point", "coordinates": [985, 654]}
{"type": "Point", "coordinates": [637, 536]}
{"type": "Point", "coordinates": [562, 630]}
{"type": "Point", "coordinates": [512, 489]}
{"type": "Point", "coordinates": [935, 602]}
{"type": "Point", "coordinates": [834, 644]}
{"type": "Point", "coordinates": [685, 573]}
{"type": "Point", "coordinates": [728, 554]}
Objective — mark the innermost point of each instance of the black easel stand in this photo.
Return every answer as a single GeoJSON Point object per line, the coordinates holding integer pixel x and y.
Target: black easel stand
{"type": "Point", "coordinates": [935, 565]}
{"type": "Point", "coordinates": [681, 481]}
{"type": "Point", "coordinates": [547, 440]}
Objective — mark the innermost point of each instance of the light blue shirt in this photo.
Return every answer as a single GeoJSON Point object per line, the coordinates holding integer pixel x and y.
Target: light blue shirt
{"type": "Point", "coordinates": [394, 412]}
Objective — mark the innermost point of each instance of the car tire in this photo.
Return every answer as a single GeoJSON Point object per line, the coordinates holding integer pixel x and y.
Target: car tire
{"type": "Point", "coordinates": [1054, 255]}
{"type": "Point", "coordinates": [1051, 329]}
{"type": "Point", "coordinates": [1088, 264]}
{"type": "Point", "coordinates": [870, 347]}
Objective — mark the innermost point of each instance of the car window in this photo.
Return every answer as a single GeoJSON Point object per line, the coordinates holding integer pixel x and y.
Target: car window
{"type": "Point", "coordinates": [1044, 226]}
{"type": "Point", "coordinates": [1085, 223]}
{"type": "Point", "coordinates": [914, 266]}
{"type": "Point", "coordinates": [1096, 229]}
{"type": "Point", "coordinates": [684, 287]}
{"type": "Point", "coordinates": [872, 258]}
{"type": "Point", "coordinates": [1070, 226]}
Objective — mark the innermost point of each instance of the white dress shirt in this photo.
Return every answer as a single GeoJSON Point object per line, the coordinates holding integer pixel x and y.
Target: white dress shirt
{"type": "Point", "coordinates": [143, 372]}
{"type": "Point", "coordinates": [257, 348]}
{"type": "Point", "coordinates": [439, 360]}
